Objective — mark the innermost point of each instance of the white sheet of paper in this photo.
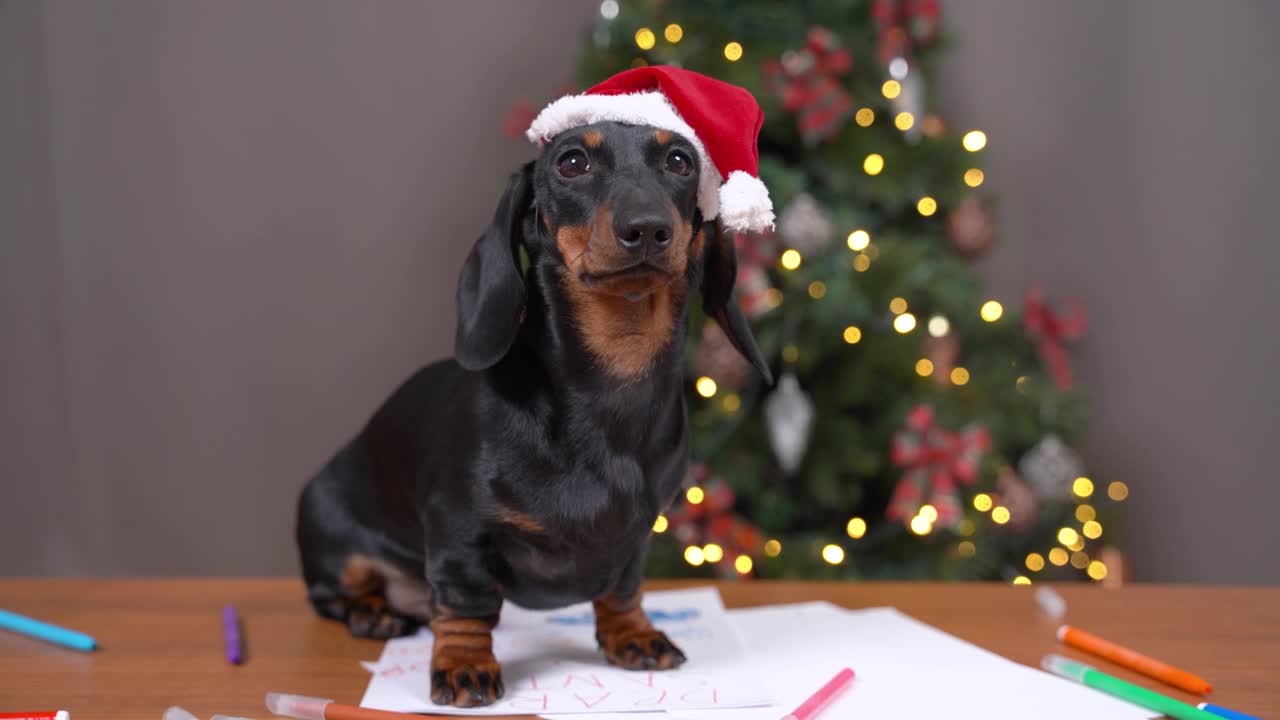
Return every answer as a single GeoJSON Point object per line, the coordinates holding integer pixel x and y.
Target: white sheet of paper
{"type": "Point", "coordinates": [903, 667]}
{"type": "Point", "coordinates": [550, 664]}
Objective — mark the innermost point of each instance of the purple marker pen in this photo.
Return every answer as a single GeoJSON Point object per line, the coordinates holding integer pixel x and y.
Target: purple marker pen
{"type": "Point", "coordinates": [231, 633]}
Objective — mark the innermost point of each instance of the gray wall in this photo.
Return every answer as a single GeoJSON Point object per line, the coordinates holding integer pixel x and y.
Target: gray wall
{"type": "Point", "coordinates": [1134, 152]}
{"type": "Point", "coordinates": [228, 229]}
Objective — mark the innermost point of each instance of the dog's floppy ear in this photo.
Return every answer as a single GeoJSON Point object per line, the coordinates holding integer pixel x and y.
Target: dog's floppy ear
{"type": "Point", "coordinates": [491, 293]}
{"type": "Point", "coordinates": [719, 271]}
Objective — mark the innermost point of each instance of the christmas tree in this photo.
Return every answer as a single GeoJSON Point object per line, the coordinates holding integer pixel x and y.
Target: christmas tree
{"type": "Point", "coordinates": [919, 429]}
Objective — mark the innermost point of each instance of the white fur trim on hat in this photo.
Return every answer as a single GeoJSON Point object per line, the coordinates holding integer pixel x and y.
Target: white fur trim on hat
{"type": "Point", "coordinates": [646, 108]}
{"type": "Point", "coordinates": [745, 203]}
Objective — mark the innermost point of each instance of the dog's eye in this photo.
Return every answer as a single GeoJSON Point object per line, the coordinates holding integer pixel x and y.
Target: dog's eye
{"type": "Point", "coordinates": [679, 163]}
{"type": "Point", "coordinates": [573, 164]}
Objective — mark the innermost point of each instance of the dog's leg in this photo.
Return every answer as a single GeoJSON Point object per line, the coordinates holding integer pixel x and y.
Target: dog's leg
{"type": "Point", "coordinates": [371, 597]}
{"type": "Point", "coordinates": [464, 671]}
{"type": "Point", "coordinates": [624, 632]}
{"type": "Point", "coordinates": [369, 616]}
{"type": "Point", "coordinates": [466, 601]}
{"type": "Point", "coordinates": [629, 640]}
{"type": "Point", "coordinates": [371, 589]}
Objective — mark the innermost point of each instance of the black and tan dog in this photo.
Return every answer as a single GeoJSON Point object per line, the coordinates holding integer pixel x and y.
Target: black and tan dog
{"type": "Point", "coordinates": [533, 466]}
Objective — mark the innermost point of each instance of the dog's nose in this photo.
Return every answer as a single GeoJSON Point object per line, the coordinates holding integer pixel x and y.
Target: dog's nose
{"type": "Point", "coordinates": [647, 233]}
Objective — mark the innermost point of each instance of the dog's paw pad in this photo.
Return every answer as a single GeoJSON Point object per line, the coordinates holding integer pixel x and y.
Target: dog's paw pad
{"type": "Point", "coordinates": [467, 685]}
{"type": "Point", "coordinates": [647, 649]}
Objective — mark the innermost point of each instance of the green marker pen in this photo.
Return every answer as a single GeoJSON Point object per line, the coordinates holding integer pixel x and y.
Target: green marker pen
{"type": "Point", "coordinates": [1085, 675]}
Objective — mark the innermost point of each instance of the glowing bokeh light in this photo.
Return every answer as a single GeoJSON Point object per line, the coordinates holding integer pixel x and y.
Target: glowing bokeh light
{"type": "Point", "coordinates": [833, 554]}
{"type": "Point", "coordinates": [856, 528]}
{"type": "Point", "coordinates": [974, 140]}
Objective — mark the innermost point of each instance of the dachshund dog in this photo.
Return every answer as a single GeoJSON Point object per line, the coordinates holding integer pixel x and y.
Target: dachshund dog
{"type": "Point", "coordinates": [532, 467]}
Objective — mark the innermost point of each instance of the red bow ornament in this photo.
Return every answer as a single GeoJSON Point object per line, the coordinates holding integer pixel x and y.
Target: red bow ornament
{"type": "Point", "coordinates": [713, 521]}
{"type": "Point", "coordinates": [1050, 329]}
{"type": "Point", "coordinates": [936, 460]}
{"type": "Point", "coordinates": [904, 26]}
{"type": "Point", "coordinates": [808, 81]}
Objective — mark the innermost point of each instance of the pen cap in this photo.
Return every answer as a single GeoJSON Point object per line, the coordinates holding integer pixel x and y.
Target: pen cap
{"type": "Point", "coordinates": [1065, 667]}
{"type": "Point", "coordinates": [296, 706]}
{"type": "Point", "coordinates": [177, 713]}
{"type": "Point", "coordinates": [1051, 603]}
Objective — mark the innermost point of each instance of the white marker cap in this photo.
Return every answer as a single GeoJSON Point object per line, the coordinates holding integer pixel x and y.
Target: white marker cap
{"type": "Point", "coordinates": [62, 715]}
{"type": "Point", "coordinates": [175, 713]}
{"type": "Point", "coordinates": [1051, 603]}
{"type": "Point", "coordinates": [296, 706]}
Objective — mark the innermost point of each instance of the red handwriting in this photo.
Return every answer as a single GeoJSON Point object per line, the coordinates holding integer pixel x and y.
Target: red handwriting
{"type": "Point", "coordinates": [530, 701]}
{"type": "Point", "coordinates": [701, 696]}
{"type": "Point", "coordinates": [592, 704]}
{"type": "Point", "coordinates": [650, 701]}
{"type": "Point", "coordinates": [400, 669]}
{"type": "Point", "coordinates": [594, 681]}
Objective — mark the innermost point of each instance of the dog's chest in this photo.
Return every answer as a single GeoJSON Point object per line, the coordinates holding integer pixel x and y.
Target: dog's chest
{"type": "Point", "coordinates": [579, 532]}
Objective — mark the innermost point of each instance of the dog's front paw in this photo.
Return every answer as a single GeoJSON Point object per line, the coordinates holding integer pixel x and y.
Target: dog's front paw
{"type": "Point", "coordinates": [469, 683]}
{"type": "Point", "coordinates": [641, 649]}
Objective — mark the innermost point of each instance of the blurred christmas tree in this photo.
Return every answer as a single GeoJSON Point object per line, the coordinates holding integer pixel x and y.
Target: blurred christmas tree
{"type": "Point", "coordinates": [919, 428]}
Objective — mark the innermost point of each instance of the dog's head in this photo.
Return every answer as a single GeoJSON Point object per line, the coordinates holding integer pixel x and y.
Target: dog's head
{"type": "Point", "coordinates": [610, 211]}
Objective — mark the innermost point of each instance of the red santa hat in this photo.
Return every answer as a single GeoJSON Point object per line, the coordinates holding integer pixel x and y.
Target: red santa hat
{"type": "Point", "coordinates": [722, 121]}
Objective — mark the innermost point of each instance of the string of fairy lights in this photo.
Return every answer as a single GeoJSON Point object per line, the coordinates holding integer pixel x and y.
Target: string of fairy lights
{"type": "Point", "coordinates": [1069, 550]}
{"type": "Point", "coordinates": [1071, 541]}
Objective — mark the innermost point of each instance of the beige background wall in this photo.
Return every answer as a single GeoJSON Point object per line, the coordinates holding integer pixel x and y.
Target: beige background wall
{"type": "Point", "coordinates": [228, 229]}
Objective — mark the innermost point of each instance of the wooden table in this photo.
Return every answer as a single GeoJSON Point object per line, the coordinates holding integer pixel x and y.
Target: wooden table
{"type": "Point", "coordinates": [161, 640]}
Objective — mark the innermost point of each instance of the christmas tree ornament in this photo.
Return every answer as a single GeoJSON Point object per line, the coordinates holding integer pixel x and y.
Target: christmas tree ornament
{"type": "Point", "coordinates": [908, 104]}
{"type": "Point", "coordinates": [1019, 498]}
{"type": "Point", "coordinates": [522, 113]}
{"type": "Point", "coordinates": [1112, 567]}
{"type": "Point", "coordinates": [755, 292]}
{"type": "Point", "coordinates": [718, 359]}
{"type": "Point", "coordinates": [789, 415]}
{"type": "Point", "coordinates": [713, 521]}
{"type": "Point", "coordinates": [756, 249]}
{"type": "Point", "coordinates": [806, 226]}
{"type": "Point", "coordinates": [903, 27]}
{"type": "Point", "coordinates": [970, 229]}
{"type": "Point", "coordinates": [937, 461]}
{"type": "Point", "coordinates": [1050, 329]}
{"type": "Point", "coordinates": [720, 120]}
{"type": "Point", "coordinates": [933, 125]}
{"type": "Point", "coordinates": [1050, 467]}
{"type": "Point", "coordinates": [943, 353]}
{"type": "Point", "coordinates": [808, 82]}
{"type": "Point", "coordinates": [518, 118]}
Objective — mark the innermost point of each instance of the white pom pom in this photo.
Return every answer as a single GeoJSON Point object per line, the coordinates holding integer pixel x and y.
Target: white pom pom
{"type": "Point", "coordinates": [745, 203]}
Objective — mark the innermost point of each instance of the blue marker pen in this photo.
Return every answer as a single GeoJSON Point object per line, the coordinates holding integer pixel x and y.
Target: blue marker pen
{"type": "Point", "coordinates": [44, 631]}
{"type": "Point", "coordinates": [1223, 712]}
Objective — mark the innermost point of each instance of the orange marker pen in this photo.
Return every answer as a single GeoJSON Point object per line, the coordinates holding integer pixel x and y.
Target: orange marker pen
{"type": "Point", "coordinates": [1124, 657]}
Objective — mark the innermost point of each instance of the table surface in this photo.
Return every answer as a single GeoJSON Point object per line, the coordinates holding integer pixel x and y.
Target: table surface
{"type": "Point", "coordinates": [161, 640]}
